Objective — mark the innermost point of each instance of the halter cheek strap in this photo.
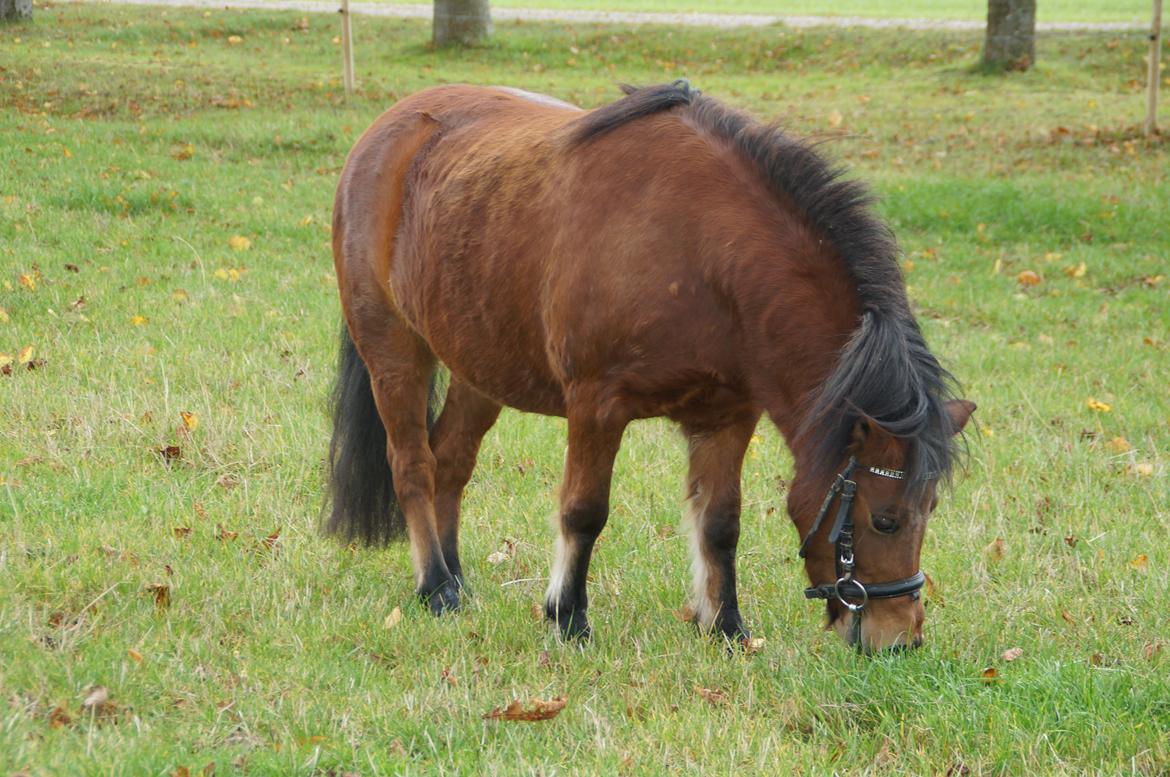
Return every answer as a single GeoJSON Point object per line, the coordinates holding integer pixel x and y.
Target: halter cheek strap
{"type": "Point", "coordinates": [847, 589]}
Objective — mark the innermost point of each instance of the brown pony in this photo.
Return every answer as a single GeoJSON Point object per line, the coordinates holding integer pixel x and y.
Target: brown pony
{"type": "Point", "coordinates": [659, 256]}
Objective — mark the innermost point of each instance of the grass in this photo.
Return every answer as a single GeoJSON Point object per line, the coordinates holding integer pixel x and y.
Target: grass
{"type": "Point", "coordinates": [1047, 11]}
{"type": "Point", "coordinates": [139, 142]}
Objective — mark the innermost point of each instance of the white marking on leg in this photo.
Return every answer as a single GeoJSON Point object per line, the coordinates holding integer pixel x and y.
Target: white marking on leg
{"type": "Point", "coordinates": [560, 568]}
{"type": "Point", "coordinates": [693, 516]}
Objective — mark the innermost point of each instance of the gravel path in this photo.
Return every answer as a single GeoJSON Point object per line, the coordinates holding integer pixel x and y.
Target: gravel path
{"type": "Point", "coordinates": [423, 11]}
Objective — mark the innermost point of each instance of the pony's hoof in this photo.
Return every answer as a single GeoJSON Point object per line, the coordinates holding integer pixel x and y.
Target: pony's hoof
{"type": "Point", "coordinates": [574, 626]}
{"type": "Point", "coordinates": [443, 599]}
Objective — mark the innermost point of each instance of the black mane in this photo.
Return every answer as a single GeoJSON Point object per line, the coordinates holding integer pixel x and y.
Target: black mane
{"type": "Point", "coordinates": [885, 372]}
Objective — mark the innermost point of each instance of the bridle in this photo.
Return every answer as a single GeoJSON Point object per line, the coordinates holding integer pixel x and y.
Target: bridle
{"type": "Point", "coordinates": [847, 589]}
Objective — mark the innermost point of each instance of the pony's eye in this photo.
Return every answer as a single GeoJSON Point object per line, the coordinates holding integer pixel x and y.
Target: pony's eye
{"type": "Point", "coordinates": [884, 523]}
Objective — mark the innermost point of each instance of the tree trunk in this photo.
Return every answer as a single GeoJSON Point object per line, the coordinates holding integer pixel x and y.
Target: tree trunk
{"type": "Point", "coordinates": [1011, 34]}
{"type": "Point", "coordinates": [459, 22]}
{"type": "Point", "coordinates": [15, 10]}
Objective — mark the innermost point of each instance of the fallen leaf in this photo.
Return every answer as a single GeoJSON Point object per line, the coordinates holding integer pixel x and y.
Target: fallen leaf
{"type": "Point", "coordinates": [162, 594]}
{"type": "Point", "coordinates": [234, 40]}
{"type": "Point", "coordinates": [450, 677]}
{"type": "Point", "coordinates": [393, 619]}
{"type": "Point", "coordinates": [224, 535]}
{"type": "Point", "coordinates": [1077, 270]}
{"type": "Point", "coordinates": [497, 557]}
{"type": "Point", "coordinates": [1071, 540]}
{"type": "Point", "coordinates": [239, 243]}
{"type": "Point", "coordinates": [190, 420]}
{"type": "Point", "coordinates": [711, 695]}
{"type": "Point", "coordinates": [72, 267]}
{"type": "Point", "coordinates": [537, 709]}
{"type": "Point", "coordinates": [1140, 561]}
{"type": "Point", "coordinates": [134, 655]}
{"type": "Point", "coordinates": [1152, 649]}
{"type": "Point", "coordinates": [1100, 407]}
{"type": "Point", "coordinates": [684, 614]}
{"type": "Point", "coordinates": [753, 645]}
{"type": "Point", "coordinates": [1119, 445]}
{"type": "Point", "coordinates": [1067, 617]}
{"type": "Point", "coordinates": [138, 320]}
{"type": "Point", "coordinates": [1100, 659]}
{"type": "Point", "coordinates": [184, 152]}
{"type": "Point", "coordinates": [269, 543]}
{"type": "Point", "coordinates": [1011, 654]}
{"type": "Point", "coordinates": [1143, 469]}
{"type": "Point", "coordinates": [1028, 278]}
{"type": "Point", "coordinates": [227, 480]}
{"type": "Point", "coordinates": [26, 354]}
{"type": "Point", "coordinates": [96, 700]}
{"type": "Point", "coordinates": [989, 675]}
{"type": "Point", "coordinates": [994, 551]}
{"type": "Point", "coordinates": [932, 593]}
{"type": "Point", "coordinates": [835, 118]}
{"type": "Point", "coordinates": [170, 454]}
{"type": "Point", "coordinates": [182, 531]}
{"type": "Point", "coordinates": [29, 281]}
{"type": "Point", "coordinates": [59, 718]}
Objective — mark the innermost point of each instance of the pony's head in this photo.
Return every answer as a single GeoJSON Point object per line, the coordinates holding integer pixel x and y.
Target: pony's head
{"type": "Point", "coordinates": [862, 530]}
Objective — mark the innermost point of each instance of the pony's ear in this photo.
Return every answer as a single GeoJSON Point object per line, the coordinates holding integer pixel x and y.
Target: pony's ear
{"type": "Point", "coordinates": [960, 411]}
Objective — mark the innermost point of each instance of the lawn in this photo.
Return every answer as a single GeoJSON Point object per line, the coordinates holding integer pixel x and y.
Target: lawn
{"type": "Point", "coordinates": [1047, 10]}
{"type": "Point", "coordinates": [166, 603]}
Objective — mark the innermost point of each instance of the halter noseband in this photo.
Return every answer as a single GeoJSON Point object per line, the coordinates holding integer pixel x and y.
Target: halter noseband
{"type": "Point", "coordinates": [847, 587]}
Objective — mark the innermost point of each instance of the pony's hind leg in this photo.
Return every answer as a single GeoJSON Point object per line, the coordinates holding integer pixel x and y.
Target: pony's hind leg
{"type": "Point", "coordinates": [593, 444]}
{"type": "Point", "coordinates": [467, 416]}
{"type": "Point", "coordinates": [712, 515]}
{"type": "Point", "coordinates": [401, 368]}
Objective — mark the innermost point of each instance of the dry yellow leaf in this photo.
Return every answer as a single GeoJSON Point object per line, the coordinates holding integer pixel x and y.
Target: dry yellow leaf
{"type": "Point", "coordinates": [239, 243]}
{"type": "Point", "coordinates": [394, 618]}
{"type": "Point", "coordinates": [138, 320]}
{"type": "Point", "coordinates": [1144, 469]}
{"type": "Point", "coordinates": [234, 40]}
{"type": "Point", "coordinates": [537, 709]}
{"type": "Point", "coordinates": [3, 316]}
{"type": "Point", "coordinates": [995, 549]}
{"type": "Point", "coordinates": [1140, 561]}
{"type": "Point", "coordinates": [26, 355]}
{"type": "Point", "coordinates": [1119, 445]}
{"type": "Point", "coordinates": [190, 420]}
{"type": "Point", "coordinates": [179, 295]}
{"type": "Point", "coordinates": [835, 118]}
{"type": "Point", "coordinates": [1100, 407]}
{"type": "Point", "coordinates": [5, 359]}
{"type": "Point", "coordinates": [1028, 278]}
{"type": "Point", "coordinates": [306, 221]}
{"type": "Point", "coordinates": [134, 655]}
{"type": "Point", "coordinates": [1076, 271]}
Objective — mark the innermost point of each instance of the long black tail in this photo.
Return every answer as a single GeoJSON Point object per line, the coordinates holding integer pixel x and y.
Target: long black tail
{"type": "Point", "coordinates": [365, 508]}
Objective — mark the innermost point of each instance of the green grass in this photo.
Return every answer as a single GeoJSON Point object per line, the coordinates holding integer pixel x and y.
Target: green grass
{"type": "Point", "coordinates": [137, 142]}
{"type": "Point", "coordinates": [1047, 10]}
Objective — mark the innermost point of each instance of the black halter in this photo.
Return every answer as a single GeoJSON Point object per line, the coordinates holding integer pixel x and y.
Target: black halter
{"type": "Point", "coordinates": [847, 589]}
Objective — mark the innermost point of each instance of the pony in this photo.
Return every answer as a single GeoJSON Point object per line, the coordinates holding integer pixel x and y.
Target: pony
{"type": "Point", "coordinates": [663, 255]}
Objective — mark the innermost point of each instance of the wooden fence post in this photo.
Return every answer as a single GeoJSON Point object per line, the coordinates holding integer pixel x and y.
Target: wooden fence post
{"type": "Point", "coordinates": [1155, 71]}
{"type": "Point", "coordinates": [347, 45]}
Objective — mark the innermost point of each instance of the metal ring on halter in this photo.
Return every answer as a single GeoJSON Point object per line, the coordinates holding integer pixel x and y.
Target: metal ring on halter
{"type": "Point", "coordinates": [853, 608]}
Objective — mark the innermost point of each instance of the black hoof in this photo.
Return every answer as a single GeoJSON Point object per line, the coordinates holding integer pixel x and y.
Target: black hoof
{"type": "Point", "coordinates": [443, 599]}
{"type": "Point", "coordinates": [573, 624]}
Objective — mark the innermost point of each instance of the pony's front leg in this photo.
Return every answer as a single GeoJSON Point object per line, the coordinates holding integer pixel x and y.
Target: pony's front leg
{"type": "Point", "coordinates": [593, 444]}
{"type": "Point", "coordinates": [712, 518]}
